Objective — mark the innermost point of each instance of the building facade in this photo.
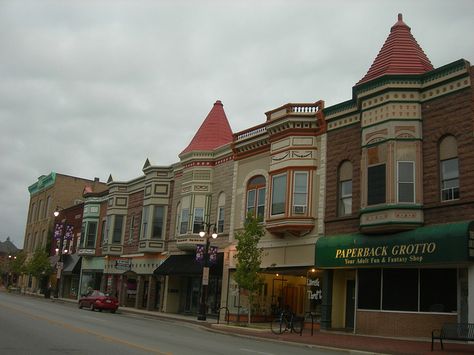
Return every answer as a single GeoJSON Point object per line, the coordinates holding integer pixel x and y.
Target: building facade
{"type": "Point", "coordinates": [46, 194]}
{"type": "Point", "coordinates": [397, 252]}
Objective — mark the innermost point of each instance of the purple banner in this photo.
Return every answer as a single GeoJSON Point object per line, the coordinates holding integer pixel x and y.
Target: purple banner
{"type": "Point", "coordinates": [212, 255]}
{"type": "Point", "coordinates": [200, 253]}
{"type": "Point", "coordinates": [69, 232]}
{"type": "Point", "coordinates": [58, 231]}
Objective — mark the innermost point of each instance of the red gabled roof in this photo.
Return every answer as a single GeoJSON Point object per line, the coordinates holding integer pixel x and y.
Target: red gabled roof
{"type": "Point", "coordinates": [214, 132]}
{"type": "Point", "coordinates": [400, 54]}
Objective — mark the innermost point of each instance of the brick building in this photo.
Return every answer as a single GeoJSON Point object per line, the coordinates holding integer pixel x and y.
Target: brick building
{"type": "Point", "coordinates": [49, 192]}
{"type": "Point", "coordinates": [397, 253]}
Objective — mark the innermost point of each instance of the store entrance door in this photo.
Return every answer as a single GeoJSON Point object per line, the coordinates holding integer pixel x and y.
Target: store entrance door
{"type": "Point", "coordinates": [350, 303]}
{"type": "Point", "coordinates": [192, 295]}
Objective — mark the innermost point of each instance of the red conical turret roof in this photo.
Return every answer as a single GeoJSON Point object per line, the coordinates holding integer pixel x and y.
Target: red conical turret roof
{"type": "Point", "coordinates": [400, 54]}
{"type": "Point", "coordinates": [214, 132]}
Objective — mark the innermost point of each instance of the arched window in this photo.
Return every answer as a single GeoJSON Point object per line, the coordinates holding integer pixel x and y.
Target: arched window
{"type": "Point", "coordinates": [221, 213]}
{"type": "Point", "coordinates": [256, 189]}
{"type": "Point", "coordinates": [345, 189]}
{"type": "Point", "coordinates": [449, 168]}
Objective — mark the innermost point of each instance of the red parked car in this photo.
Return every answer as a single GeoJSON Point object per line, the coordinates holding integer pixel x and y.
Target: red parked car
{"type": "Point", "coordinates": [98, 300]}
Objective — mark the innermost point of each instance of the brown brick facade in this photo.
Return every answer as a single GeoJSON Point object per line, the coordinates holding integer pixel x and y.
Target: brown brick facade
{"type": "Point", "coordinates": [342, 144]}
{"type": "Point", "coordinates": [449, 115]}
{"type": "Point", "coordinates": [135, 207]}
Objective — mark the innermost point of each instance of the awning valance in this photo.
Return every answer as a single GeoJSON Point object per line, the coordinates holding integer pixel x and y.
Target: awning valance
{"type": "Point", "coordinates": [444, 243]}
{"type": "Point", "coordinates": [187, 265]}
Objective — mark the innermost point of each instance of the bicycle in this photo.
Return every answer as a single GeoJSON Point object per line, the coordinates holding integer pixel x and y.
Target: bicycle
{"type": "Point", "coordinates": [287, 321]}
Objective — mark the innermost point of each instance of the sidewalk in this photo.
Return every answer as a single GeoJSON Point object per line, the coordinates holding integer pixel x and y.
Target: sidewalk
{"type": "Point", "coordinates": [320, 339]}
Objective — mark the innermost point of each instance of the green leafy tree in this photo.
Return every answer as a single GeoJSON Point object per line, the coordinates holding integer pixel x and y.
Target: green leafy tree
{"type": "Point", "coordinates": [249, 258]}
{"type": "Point", "coordinates": [18, 265]}
{"type": "Point", "coordinates": [39, 265]}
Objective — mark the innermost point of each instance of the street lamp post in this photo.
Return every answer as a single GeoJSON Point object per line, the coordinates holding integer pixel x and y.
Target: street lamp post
{"type": "Point", "coordinates": [62, 232]}
{"type": "Point", "coordinates": [206, 233]}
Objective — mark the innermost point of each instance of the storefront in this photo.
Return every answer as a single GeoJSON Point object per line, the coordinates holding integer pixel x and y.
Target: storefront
{"type": "Point", "coordinates": [296, 289]}
{"type": "Point", "coordinates": [91, 274]}
{"type": "Point", "coordinates": [403, 284]}
{"type": "Point", "coordinates": [182, 276]}
{"type": "Point", "coordinates": [70, 276]}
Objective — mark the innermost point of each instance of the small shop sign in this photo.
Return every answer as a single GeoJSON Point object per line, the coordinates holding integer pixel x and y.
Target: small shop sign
{"type": "Point", "coordinates": [123, 264]}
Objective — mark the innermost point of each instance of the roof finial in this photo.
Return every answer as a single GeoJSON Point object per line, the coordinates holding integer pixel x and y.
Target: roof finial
{"type": "Point", "coordinates": [400, 17]}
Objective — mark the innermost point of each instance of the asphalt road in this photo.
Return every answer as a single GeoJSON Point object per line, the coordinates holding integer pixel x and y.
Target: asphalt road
{"type": "Point", "coordinates": [30, 325]}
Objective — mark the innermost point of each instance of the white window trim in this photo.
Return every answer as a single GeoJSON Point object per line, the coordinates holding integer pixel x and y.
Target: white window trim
{"type": "Point", "coordinates": [305, 206]}
{"type": "Point", "coordinates": [285, 193]}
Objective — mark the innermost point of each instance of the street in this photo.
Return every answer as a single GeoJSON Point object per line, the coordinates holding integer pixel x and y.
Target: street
{"type": "Point", "coordinates": [30, 325]}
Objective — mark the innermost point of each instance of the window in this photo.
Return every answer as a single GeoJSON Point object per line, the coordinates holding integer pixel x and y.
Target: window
{"type": "Point", "coordinates": [376, 184]}
{"type": "Point", "coordinates": [83, 233]}
{"type": "Point", "coordinates": [449, 169]}
{"type": "Point", "coordinates": [220, 213]}
{"type": "Point", "coordinates": [91, 234]}
{"type": "Point", "coordinates": [406, 181]}
{"type": "Point", "coordinates": [103, 231]}
{"type": "Point", "coordinates": [183, 226]}
{"type": "Point", "coordinates": [108, 222]}
{"type": "Point", "coordinates": [256, 189]}
{"type": "Point", "coordinates": [370, 284]}
{"type": "Point", "coordinates": [40, 210]}
{"type": "Point", "coordinates": [117, 234]}
{"type": "Point", "coordinates": [278, 194]}
{"type": "Point", "coordinates": [438, 290]}
{"type": "Point", "coordinates": [395, 280]}
{"type": "Point", "coordinates": [144, 229]}
{"type": "Point", "coordinates": [48, 206]}
{"type": "Point", "coordinates": [131, 229]}
{"type": "Point", "coordinates": [449, 179]}
{"type": "Point", "coordinates": [424, 290]}
{"type": "Point", "coordinates": [157, 228]}
{"type": "Point", "coordinates": [198, 219]}
{"type": "Point", "coordinates": [345, 189]}
{"type": "Point", "coordinates": [33, 211]}
{"type": "Point", "coordinates": [300, 193]}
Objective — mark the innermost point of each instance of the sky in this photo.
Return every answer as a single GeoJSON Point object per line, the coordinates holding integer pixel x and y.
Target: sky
{"type": "Point", "coordinates": [91, 88]}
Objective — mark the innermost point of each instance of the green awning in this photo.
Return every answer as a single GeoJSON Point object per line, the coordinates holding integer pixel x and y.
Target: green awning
{"type": "Point", "coordinates": [444, 243]}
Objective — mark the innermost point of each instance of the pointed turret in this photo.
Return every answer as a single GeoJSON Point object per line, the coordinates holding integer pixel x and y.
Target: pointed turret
{"type": "Point", "coordinates": [400, 54]}
{"type": "Point", "coordinates": [147, 164]}
{"type": "Point", "coordinates": [214, 132]}
{"type": "Point", "coordinates": [110, 179]}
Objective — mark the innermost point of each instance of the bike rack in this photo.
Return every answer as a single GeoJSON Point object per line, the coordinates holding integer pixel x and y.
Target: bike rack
{"type": "Point", "coordinates": [226, 314]}
{"type": "Point", "coordinates": [312, 320]}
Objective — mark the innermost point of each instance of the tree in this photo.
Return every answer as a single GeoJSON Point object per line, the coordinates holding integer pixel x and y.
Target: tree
{"type": "Point", "coordinates": [18, 265]}
{"type": "Point", "coordinates": [39, 265]}
{"type": "Point", "coordinates": [249, 257]}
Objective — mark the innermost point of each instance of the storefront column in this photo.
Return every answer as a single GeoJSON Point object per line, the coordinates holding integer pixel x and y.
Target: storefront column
{"type": "Point", "coordinates": [103, 283]}
{"type": "Point", "coordinates": [165, 295]}
{"type": "Point", "coordinates": [470, 299]}
{"type": "Point", "coordinates": [326, 306]}
{"type": "Point", "coordinates": [140, 289]}
{"type": "Point", "coordinates": [151, 293]}
{"type": "Point", "coordinates": [122, 290]}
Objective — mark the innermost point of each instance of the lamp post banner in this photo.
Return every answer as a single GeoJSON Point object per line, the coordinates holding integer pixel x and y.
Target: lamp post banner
{"type": "Point", "coordinates": [58, 230]}
{"type": "Point", "coordinates": [212, 255]}
{"type": "Point", "coordinates": [200, 253]}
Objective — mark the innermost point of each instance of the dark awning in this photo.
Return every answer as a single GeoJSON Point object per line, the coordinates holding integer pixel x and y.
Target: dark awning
{"type": "Point", "coordinates": [435, 244]}
{"type": "Point", "coordinates": [187, 265]}
{"type": "Point", "coordinates": [72, 264]}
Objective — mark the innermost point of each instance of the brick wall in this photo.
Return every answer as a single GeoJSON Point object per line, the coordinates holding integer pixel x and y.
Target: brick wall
{"type": "Point", "coordinates": [342, 144]}
{"type": "Point", "coordinates": [400, 324]}
{"type": "Point", "coordinates": [454, 115]}
{"type": "Point", "coordinates": [135, 207]}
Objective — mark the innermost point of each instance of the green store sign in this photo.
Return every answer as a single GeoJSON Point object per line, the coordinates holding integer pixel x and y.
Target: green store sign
{"type": "Point", "coordinates": [446, 243]}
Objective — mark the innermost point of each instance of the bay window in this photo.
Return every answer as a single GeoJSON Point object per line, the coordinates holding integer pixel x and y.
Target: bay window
{"type": "Point", "coordinates": [278, 194]}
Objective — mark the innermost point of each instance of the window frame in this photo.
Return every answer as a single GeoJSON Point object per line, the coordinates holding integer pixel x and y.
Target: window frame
{"type": "Point", "coordinates": [256, 186]}
{"type": "Point", "coordinates": [154, 220]}
{"type": "Point", "coordinates": [399, 182]}
{"type": "Point", "coordinates": [184, 223]}
{"type": "Point", "coordinates": [295, 193]}
{"type": "Point", "coordinates": [198, 224]}
{"type": "Point", "coordinates": [283, 192]}
{"type": "Point", "coordinates": [376, 200]}
{"type": "Point", "coordinates": [88, 234]}
{"type": "Point", "coordinates": [454, 190]}
{"type": "Point", "coordinates": [117, 230]}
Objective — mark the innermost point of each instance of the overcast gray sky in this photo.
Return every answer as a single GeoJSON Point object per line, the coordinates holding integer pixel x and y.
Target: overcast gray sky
{"type": "Point", "coordinates": [92, 88]}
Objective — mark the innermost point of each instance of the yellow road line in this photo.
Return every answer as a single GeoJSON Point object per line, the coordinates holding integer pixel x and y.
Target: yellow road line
{"type": "Point", "coordinates": [86, 331]}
